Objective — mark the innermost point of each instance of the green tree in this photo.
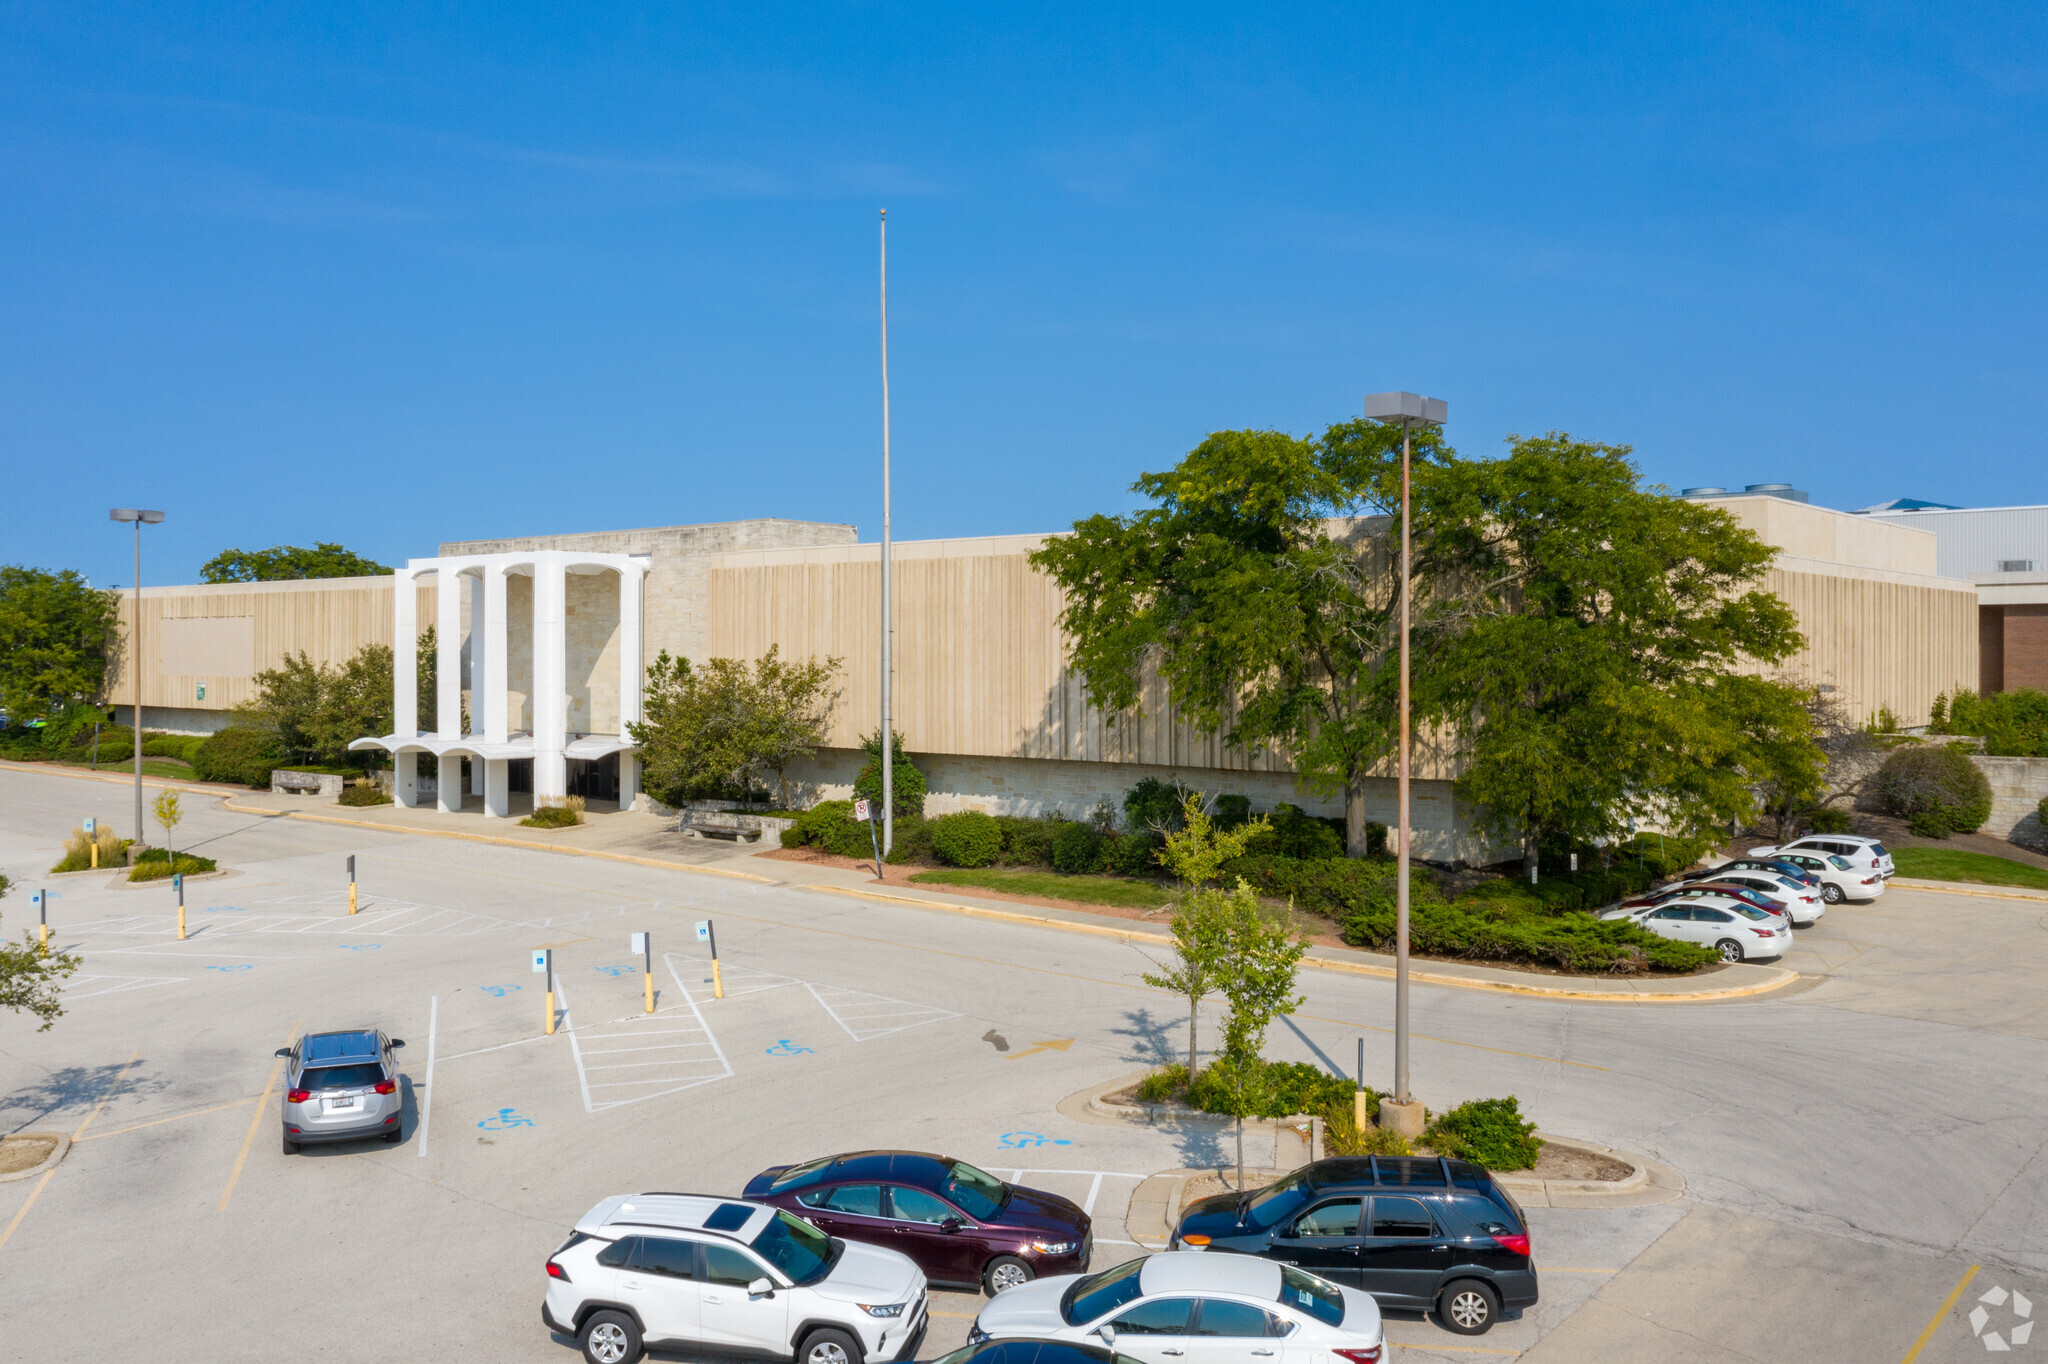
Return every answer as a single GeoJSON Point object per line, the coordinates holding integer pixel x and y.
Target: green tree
{"type": "Point", "coordinates": [1591, 658]}
{"type": "Point", "coordinates": [1199, 946]}
{"type": "Point", "coordinates": [281, 563]}
{"type": "Point", "coordinates": [1255, 593]}
{"type": "Point", "coordinates": [722, 727]}
{"type": "Point", "coordinates": [169, 814]}
{"type": "Point", "coordinates": [1197, 850]}
{"type": "Point", "coordinates": [906, 783]}
{"type": "Point", "coordinates": [1261, 959]}
{"type": "Point", "coordinates": [316, 710]}
{"type": "Point", "coordinates": [795, 706]}
{"type": "Point", "coordinates": [32, 976]}
{"type": "Point", "coordinates": [56, 635]}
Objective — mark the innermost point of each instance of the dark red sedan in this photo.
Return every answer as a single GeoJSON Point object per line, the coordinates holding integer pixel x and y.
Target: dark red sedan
{"type": "Point", "coordinates": [963, 1226]}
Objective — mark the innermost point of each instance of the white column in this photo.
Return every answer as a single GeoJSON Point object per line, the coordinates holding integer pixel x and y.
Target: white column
{"type": "Point", "coordinates": [632, 673]}
{"type": "Point", "coordinates": [492, 707]}
{"type": "Point", "coordinates": [497, 788]}
{"type": "Point", "coordinates": [405, 684]}
{"type": "Point", "coordinates": [473, 665]}
{"type": "Point", "coordinates": [550, 680]}
{"type": "Point", "coordinates": [448, 683]}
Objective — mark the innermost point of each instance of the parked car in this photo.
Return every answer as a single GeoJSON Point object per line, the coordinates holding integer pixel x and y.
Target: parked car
{"type": "Point", "coordinates": [962, 1225]}
{"type": "Point", "coordinates": [1736, 930]}
{"type": "Point", "coordinates": [708, 1273]}
{"type": "Point", "coordinates": [1413, 1233]}
{"type": "Point", "coordinates": [1696, 890]}
{"type": "Point", "coordinates": [1862, 854]}
{"type": "Point", "coordinates": [1032, 1350]}
{"type": "Point", "coordinates": [1839, 880]}
{"type": "Point", "coordinates": [1182, 1308]}
{"type": "Point", "coordinates": [341, 1086]}
{"type": "Point", "coordinates": [1768, 866]}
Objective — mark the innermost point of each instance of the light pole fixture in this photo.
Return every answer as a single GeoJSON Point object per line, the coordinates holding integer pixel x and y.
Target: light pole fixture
{"type": "Point", "coordinates": [140, 519]}
{"type": "Point", "coordinates": [1408, 411]}
{"type": "Point", "coordinates": [888, 758]}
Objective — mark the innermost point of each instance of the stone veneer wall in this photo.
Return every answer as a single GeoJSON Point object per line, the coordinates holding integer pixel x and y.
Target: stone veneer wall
{"type": "Point", "coordinates": [2017, 787]}
{"type": "Point", "coordinates": [1444, 829]}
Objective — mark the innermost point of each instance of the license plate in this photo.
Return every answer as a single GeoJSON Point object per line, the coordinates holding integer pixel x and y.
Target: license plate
{"type": "Point", "coordinates": [341, 1105]}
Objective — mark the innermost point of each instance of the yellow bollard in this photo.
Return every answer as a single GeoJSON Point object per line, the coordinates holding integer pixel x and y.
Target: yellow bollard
{"type": "Point", "coordinates": [95, 854]}
{"type": "Point", "coordinates": [717, 980]}
{"type": "Point", "coordinates": [45, 929]}
{"type": "Point", "coordinates": [351, 897]}
{"type": "Point", "coordinates": [649, 978]}
{"type": "Point", "coordinates": [1358, 1111]}
{"type": "Point", "coordinates": [551, 1013]}
{"type": "Point", "coordinates": [181, 921]}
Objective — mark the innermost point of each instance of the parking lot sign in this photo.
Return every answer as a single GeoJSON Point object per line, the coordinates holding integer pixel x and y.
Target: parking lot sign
{"type": "Point", "coordinates": [92, 826]}
{"type": "Point", "coordinates": [860, 810]}
{"type": "Point", "coordinates": [540, 960]}
{"type": "Point", "coordinates": [703, 930]}
{"type": "Point", "coordinates": [638, 942]}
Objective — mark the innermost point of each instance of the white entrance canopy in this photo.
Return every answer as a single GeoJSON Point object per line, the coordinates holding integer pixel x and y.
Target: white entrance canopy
{"type": "Point", "coordinates": [548, 744]}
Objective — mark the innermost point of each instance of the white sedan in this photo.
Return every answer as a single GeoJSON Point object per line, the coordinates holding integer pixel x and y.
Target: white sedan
{"type": "Point", "coordinates": [1184, 1307]}
{"type": "Point", "coordinates": [1840, 879]}
{"type": "Point", "coordinates": [1736, 930]}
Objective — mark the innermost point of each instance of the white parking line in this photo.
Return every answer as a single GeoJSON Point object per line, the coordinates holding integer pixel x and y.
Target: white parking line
{"type": "Point", "coordinates": [427, 1104]}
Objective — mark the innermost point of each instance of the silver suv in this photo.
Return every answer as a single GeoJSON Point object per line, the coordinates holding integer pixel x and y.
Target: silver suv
{"type": "Point", "coordinates": [341, 1086]}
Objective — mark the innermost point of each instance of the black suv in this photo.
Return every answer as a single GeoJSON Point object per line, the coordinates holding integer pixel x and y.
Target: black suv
{"type": "Point", "coordinates": [1414, 1233]}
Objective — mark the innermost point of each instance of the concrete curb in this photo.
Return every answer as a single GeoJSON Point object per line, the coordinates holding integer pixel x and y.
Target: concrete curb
{"type": "Point", "coordinates": [50, 1161]}
{"type": "Point", "coordinates": [501, 842]}
{"type": "Point", "coordinates": [1649, 1182]}
{"type": "Point", "coordinates": [1952, 888]}
{"type": "Point", "coordinates": [210, 788]}
{"type": "Point", "coordinates": [1778, 979]}
{"type": "Point", "coordinates": [164, 882]}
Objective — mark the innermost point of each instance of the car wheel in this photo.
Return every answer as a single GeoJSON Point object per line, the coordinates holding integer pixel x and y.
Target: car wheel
{"type": "Point", "coordinates": [1467, 1307]}
{"type": "Point", "coordinates": [291, 1148]}
{"type": "Point", "coordinates": [1729, 949]}
{"type": "Point", "coordinates": [1005, 1272]}
{"type": "Point", "coordinates": [828, 1346]}
{"type": "Point", "coordinates": [611, 1338]}
{"type": "Point", "coordinates": [1831, 893]}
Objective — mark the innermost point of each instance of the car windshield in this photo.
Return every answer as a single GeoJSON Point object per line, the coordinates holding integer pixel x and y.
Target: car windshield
{"type": "Point", "coordinates": [1306, 1293]}
{"type": "Point", "coordinates": [798, 1249]}
{"type": "Point", "coordinates": [1102, 1293]}
{"type": "Point", "coordinates": [975, 1192]}
{"type": "Point", "coordinates": [342, 1077]}
{"type": "Point", "coordinates": [1841, 863]}
{"type": "Point", "coordinates": [797, 1176]}
{"type": "Point", "coordinates": [1274, 1202]}
{"type": "Point", "coordinates": [1751, 912]}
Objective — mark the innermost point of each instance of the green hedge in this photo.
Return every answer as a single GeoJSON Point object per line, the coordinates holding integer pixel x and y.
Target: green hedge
{"type": "Point", "coordinates": [967, 839]}
{"type": "Point", "coordinates": [155, 864]}
{"type": "Point", "coordinates": [363, 793]}
{"type": "Point", "coordinates": [1511, 930]}
{"type": "Point", "coordinates": [238, 754]}
{"type": "Point", "coordinates": [1077, 848]}
{"type": "Point", "coordinates": [1489, 1132]}
{"type": "Point", "coordinates": [1268, 1089]}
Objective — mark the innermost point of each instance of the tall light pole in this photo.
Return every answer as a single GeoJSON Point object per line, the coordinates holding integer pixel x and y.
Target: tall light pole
{"type": "Point", "coordinates": [888, 759]}
{"type": "Point", "coordinates": [140, 519]}
{"type": "Point", "coordinates": [1408, 411]}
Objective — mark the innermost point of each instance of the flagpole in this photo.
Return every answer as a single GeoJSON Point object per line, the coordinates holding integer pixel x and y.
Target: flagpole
{"type": "Point", "coordinates": [888, 758]}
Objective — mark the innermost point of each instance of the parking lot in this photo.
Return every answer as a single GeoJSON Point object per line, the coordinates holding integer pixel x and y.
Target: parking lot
{"type": "Point", "coordinates": [1851, 1149]}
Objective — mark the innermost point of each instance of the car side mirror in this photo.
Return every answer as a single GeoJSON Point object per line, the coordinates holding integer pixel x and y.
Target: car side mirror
{"type": "Point", "coordinates": [397, 1042]}
{"type": "Point", "coordinates": [284, 1052]}
{"type": "Point", "coordinates": [950, 1225]}
{"type": "Point", "coordinates": [761, 1288]}
{"type": "Point", "coordinates": [1108, 1334]}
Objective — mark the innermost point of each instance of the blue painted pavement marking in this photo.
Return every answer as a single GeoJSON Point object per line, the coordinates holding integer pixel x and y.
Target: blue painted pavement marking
{"type": "Point", "coordinates": [504, 1118]}
{"type": "Point", "coordinates": [1015, 1140]}
{"type": "Point", "coordinates": [359, 946]}
{"type": "Point", "coordinates": [616, 971]}
{"type": "Point", "coordinates": [785, 1047]}
{"type": "Point", "coordinates": [244, 966]}
{"type": "Point", "coordinates": [497, 991]}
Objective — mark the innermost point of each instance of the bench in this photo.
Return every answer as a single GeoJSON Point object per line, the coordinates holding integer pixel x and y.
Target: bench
{"type": "Point", "coordinates": [733, 832]}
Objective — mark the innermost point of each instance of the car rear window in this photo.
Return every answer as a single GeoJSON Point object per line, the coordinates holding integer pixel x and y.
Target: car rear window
{"type": "Point", "coordinates": [1877, 850]}
{"type": "Point", "coordinates": [1304, 1292]}
{"type": "Point", "coordinates": [801, 1176]}
{"type": "Point", "coordinates": [332, 1046]}
{"type": "Point", "coordinates": [342, 1077]}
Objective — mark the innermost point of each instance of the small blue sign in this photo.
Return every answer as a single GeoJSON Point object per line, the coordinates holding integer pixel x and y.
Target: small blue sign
{"type": "Point", "coordinates": [497, 991]}
{"type": "Point", "coordinates": [785, 1047]}
{"type": "Point", "coordinates": [506, 1118]}
{"type": "Point", "coordinates": [1011, 1141]}
{"type": "Point", "coordinates": [540, 960]}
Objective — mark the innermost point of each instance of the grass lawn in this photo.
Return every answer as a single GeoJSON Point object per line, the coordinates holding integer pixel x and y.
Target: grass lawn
{"type": "Point", "coordinates": [151, 767]}
{"type": "Point", "coordinates": [1051, 885]}
{"type": "Point", "coordinates": [1949, 864]}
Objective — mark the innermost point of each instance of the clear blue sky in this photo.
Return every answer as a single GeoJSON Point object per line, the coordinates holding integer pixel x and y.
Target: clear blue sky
{"type": "Point", "coordinates": [396, 274]}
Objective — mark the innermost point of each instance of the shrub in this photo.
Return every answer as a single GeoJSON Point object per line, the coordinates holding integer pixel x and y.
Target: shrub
{"type": "Point", "coordinates": [1076, 848]}
{"type": "Point", "coordinates": [2042, 811]}
{"type": "Point", "coordinates": [1271, 1089]}
{"type": "Point", "coordinates": [238, 753]}
{"type": "Point", "coordinates": [183, 747]}
{"type": "Point", "coordinates": [1135, 854]}
{"type": "Point", "coordinates": [364, 793]}
{"type": "Point", "coordinates": [1154, 807]}
{"type": "Point", "coordinates": [1303, 837]}
{"type": "Point", "coordinates": [2014, 723]}
{"type": "Point", "coordinates": [1027, 842]}
{"type": "Point", "coordinates": [830, 827]}
{"type": "Point", "coordinates": [78, 849]}
{"type": "Point", "coordinates": [1930, 824]}
{"type": "Point", "coordinates": [1489, 1132]}
{"type": "Point", "coordinates": [155, 864]}
{"type": "Point", "coordinates": [1227, 811]}
{"type": "Point", "coordinates": [1930, 777]}
{"type": "Point", "coordinates": [1828, 820]}
{"type": "Point", "coordinates": [566, 814]}
{"type": "Point", "coordinates": [913, 842]}
{"type": "Point", "coordinates": [967, 839]}
{"type": "Point", "coordinates": [906, 783]}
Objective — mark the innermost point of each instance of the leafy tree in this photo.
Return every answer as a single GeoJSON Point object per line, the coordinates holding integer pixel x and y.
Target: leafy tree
{"type": "Point", "coordinates": [315, 710]}
{"type": "Point", "coordinates": [1197, 850]}
{"type": "Point", "coordinates": [1588, 656]}
{"type": "Point", "coordinates": [1831, 762]}
{"type": "Point", "coordinates": [1268, 614]}
{"type": "Point", "coordinates": [2014, 724]}
{"type": "Point", "coordinates": [169, 814]}
{"type": "Point", "coordinates": [1199, 944]}
{"type": "Point", "coordinates": [1260, 961]}
{"type": "Point", "coordinates": [31, 976]}
{"type": "Point", "coordinates": [56, 634]}
{"type": "Point", "coordinates": [906, 783]}
{"type": "Point", "coordinates": [723, 726]}
{"type": "Point", "coordinates": [282, 563]}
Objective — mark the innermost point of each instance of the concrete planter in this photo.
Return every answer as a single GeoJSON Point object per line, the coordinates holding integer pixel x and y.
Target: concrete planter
{"type": "Point", "coordinates": [761, 829]}
{"type": "Point", "coordinates": [306, 783]}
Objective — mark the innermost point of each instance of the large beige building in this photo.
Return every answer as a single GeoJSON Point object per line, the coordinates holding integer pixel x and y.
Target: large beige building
{"type": "Point", "coordinates": [982, 694]}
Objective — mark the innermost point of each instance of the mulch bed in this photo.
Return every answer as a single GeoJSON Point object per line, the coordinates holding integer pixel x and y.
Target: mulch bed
{"type": "Point", "coordinates": [24, 1153]}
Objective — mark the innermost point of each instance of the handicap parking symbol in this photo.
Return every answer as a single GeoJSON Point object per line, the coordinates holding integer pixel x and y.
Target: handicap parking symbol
{"type": "Point", "coordinates": [359, 946]}
{"type": "Point", "coordinates": [245, 966]}
{"type": "Point", "coordinates": [1012, 1141]}
{"type": "Point", "coordinates": [497, 991]}
{"type": "Point", "coordinates": [504, 1118]}
{"type": "Point", "coordinates": [785, 1047]}
{"type": "Point", "coordinates": [613, 971]}
{"type": "Point", "coordinates": [225, 909]}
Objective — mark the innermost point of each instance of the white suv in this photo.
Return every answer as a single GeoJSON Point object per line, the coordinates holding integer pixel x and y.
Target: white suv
{"type": "Point", "coordinates": [1858, 873]}
{"type": "Point", "coordinates": [731, 1276]}
{"type": "Point", "coordinates": [1862, 854]}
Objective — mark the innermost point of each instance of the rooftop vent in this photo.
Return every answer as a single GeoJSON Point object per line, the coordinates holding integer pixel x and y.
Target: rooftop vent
{"type": "Point", "coordinates": [1704, 492]}
{"type": "Point", "coordinates": [1784, 490]}
{"type": "Point", "coordinates": [2015, 565]}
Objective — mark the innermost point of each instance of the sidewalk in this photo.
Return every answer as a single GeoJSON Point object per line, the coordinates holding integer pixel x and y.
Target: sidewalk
{"type": "Point", "coordinates": [651, 840]}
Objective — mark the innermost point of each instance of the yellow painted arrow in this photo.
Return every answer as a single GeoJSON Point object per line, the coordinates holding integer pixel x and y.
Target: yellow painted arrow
{"type": "Point", "coordinates": [1061, 1045]}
